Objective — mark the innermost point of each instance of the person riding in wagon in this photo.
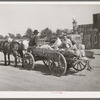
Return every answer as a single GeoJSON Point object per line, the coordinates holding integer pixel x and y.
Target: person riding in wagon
{"type": "Point", "coordinates": [72, 49]}
{"type": "Point", "coordinates": [34, 38]}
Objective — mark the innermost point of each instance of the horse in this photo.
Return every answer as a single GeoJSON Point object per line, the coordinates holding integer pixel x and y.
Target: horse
{"type": "Point", "coordinates": [14, 48]}
{"type": "Point", "coordinates": [1, 44]}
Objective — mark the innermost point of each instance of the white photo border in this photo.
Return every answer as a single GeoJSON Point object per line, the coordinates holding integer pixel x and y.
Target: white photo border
{"type": "Point", "coordinates": [50, 94]}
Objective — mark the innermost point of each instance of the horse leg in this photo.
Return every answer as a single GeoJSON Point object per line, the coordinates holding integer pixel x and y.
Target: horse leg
{"type": "Point", "coordinates": [15, 61]}
{"type": "Point", "coordinates": [15, 56]}
{"type": "Point", "coordinates": [21, 54]}
{"type": "Point", "coordinates": [8, 59]}
{"type": "Point", "coordinates": [18, 59]}
{"type": "Point", "coordinates": [5, 59]}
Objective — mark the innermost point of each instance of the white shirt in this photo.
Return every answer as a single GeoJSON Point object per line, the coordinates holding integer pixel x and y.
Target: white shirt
{"type": "Point", "coordinates": [68, 43]}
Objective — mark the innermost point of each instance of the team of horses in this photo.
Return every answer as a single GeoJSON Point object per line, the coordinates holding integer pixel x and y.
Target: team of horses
{"type": "Point", "coordinates": [12, 48]}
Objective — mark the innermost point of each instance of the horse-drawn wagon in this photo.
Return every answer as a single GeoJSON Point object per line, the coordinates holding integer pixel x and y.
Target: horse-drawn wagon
{"type": "Point", "coordinates": [56, 60]}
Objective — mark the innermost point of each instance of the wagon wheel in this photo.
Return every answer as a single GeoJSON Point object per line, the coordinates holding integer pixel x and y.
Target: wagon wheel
{"type": "Point", "coordinates": [28, 61]}
{"type": "Point", "coordinates": [46, 62]}
{"type": "Point", "coordinates": [59, 66]}
{"type": "Point", "coordinates": [79, 65]}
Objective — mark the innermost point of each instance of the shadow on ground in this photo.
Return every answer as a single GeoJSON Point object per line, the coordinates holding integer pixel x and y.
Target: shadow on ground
{"type": "Point", "coordinates": [12, 64]}
{"type": "Point", "coordinates": [45, 70]}
{"type": "Point", "coordinates": [42, 69]}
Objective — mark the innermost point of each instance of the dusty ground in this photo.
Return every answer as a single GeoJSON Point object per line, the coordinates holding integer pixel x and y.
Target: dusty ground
{"type": "Point", "coordinates": [40, 79]}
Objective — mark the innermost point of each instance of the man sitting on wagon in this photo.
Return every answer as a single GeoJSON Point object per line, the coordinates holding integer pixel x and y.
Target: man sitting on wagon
{"type": "Point", "coordinates": [71, 49]}
{"type": "Point", "coordinates": [66, 43]}
{"type": "Point", "coordinates": [34, 39]}
{"type": "Point", "coordinates": [55, 46]}
{"type": "Point", "coordinates": [57, 43]}
{"type": "Point", "coordinates": [68, 47]}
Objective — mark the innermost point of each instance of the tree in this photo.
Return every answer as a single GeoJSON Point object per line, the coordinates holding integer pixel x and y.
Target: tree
{"type": "Point", "coordinates": [65, 31]}
{"type": "Point", "coordinates": [6, 37]}
{"type": "Point", "coordinates": [58, 32]}
{"type": "Point", "coordinates": [46, 33]}
{"type": "Point", "coordinates": [28, 32]}
{"type": "Point", "coordinates": [1, 36]}
{"type": "Point", "coordinates": [18, 36]}
{"type": "Point", "coordinates": [54, 34]}
{"type": "Point", "coordinates": [11, 35]}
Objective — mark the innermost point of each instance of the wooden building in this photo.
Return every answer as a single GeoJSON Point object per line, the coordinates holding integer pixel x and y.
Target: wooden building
{"type": "Point", "coordinates": [90, 36]}
{"type": "Point", "coordinates": [96, 26]}
{"type": "Point", "coordinates": [91, 33]}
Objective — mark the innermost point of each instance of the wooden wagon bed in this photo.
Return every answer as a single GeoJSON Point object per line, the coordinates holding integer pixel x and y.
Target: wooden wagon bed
{"type": "Point", "coordinates": [55, 60]}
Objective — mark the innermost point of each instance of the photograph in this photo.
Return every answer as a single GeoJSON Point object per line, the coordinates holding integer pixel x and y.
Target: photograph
{"type": "Point", "coordinates": [49, 49]}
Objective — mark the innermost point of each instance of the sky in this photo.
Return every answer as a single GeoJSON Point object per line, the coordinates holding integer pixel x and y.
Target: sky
{"type": "Point", "coordinates": [16, 18]}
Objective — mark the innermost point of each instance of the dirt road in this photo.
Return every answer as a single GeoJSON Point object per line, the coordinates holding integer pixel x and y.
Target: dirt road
{"type": "Point", "coordinates": [40, 79]}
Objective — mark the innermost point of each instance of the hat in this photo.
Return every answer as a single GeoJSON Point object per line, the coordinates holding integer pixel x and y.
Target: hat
{"type": "Point", "coordinates": [35, 32]}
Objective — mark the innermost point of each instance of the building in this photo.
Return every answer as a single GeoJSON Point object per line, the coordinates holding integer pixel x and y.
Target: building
{"type": "Point", "coordinates": [87, 31]}
{"type": "Point", "coordinates": [91, 33]}
{"type": "Point", "coordinates": [96, 21]}
{"type": "Point", "coordinates": [96, 26]}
